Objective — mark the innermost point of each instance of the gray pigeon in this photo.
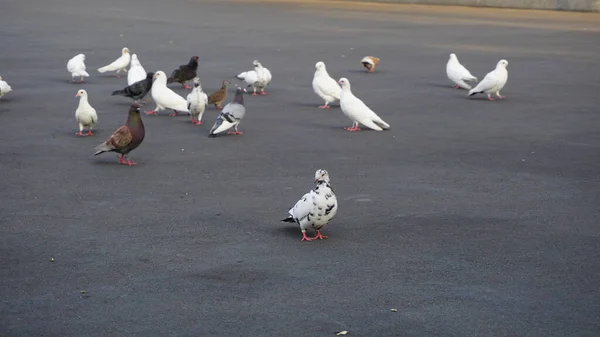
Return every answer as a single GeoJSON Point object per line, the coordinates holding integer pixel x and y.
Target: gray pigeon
{"type": "Point", "coordinates": [137, 90]}
{"type": "Point", "coordinates": [231, 115]}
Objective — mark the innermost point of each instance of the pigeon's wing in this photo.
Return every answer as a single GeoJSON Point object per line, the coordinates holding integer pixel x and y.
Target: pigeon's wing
{"type": "Point", "coordinates": [120, 138]}
{"type": "Point", "coordinates": [329, 86]}
{"type": "Point", "coordinates": [250, 77]}
{"type": "Point", "coordinates": [302, 207]}
{"type": "Point", "coordinates": [268, 76]}
{"type": "Point", "coordinates": [4, 87]}
{"type": "Point", "coordinates": [233, 112]}
{"type": "Point", "coordinates": [489, 82]}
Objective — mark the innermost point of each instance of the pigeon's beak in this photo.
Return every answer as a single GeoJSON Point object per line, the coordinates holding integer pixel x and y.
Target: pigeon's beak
{"type": "Point", "coordinates": [77, 95]}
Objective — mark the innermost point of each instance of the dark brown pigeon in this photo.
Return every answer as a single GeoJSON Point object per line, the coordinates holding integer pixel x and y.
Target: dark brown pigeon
{"type": "Point", "coordinates": [185, 73]}
{"type": "Point", "coordinates": [126, 138]}
{"type": "Point", "coordinates": [138, 89]}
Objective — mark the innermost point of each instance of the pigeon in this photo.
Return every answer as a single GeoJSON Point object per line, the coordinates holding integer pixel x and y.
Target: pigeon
{"type": "Point", "coordinates": [325, 86]}
{"type": "Point", "coordinates": [126, 138]}
{"type": "Point", "coordinates": [164, 97]}
{"type": "Point", "coordinates": [76, 66]}
{"type": "Point", "coordinates": [370, 63]}
{"type": "Point", "coordinates": [119, 64]}
{"type": "Point", "coordinates": [493, 82]}
{"type": "Point", "coordinates": [231, 115]}
{"type": "Point", "coordinates": [137, 90]}
{"type": "Point", "coordinates": [85, 114]}
{"type": "Point", "coordinates": [197, 101]}
{"type": "Point", "coordinates": [358, 111]}
{"type": "Point", "coordinates": [259, 78]}
{"type": "Point", "coordinates": [218, 97]}
{"type": "Point", "coordinates": [4, 87]}
{"type": "Point", "coordinates": [316, 208]}
{"type": "Point", "coordinates": [185, 73]}
{"type": "Point", "coordinates": [458, 74]}
{"type": "Point", "coordinates": [136, 71]}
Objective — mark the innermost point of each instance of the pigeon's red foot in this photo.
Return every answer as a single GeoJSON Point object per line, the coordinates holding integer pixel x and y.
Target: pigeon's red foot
{"type": "Point", "coordinates": [306, 238]}
{"type": "Point", "coordinates": [324, 106]}
{"type": "Point", "coordinates": [501, 97]}
{"type": "Point", "coordinates": [235, 133]}
{"type": "Point", "coordinates": [320, 236]}
{"type": "Point", "coordinates": [254, 94]}
{"type": "Point", "coordinates": [81, 134]}
{"type": "Point", "coordinates": [371, 70]}
{"type": "Point", "coordinates": [129, 162]}
{"type": "Point", "coordinates": [89, 133]}
{"type": "Point", "coordinates": [456, 86]}
{"type": "Point", "coordinates": [352, 128]}
{"type": "Point", "coordinates": [186, 86]}
{"type": "Point", "coordinates": [175, 113]}
{"type": "Point", "coordinates": [153, 112]}
{"type": "Point", "coordinates": [263, 93]}
{"type": "Point", "coordinates": [197, 122]}
{"type": "Point", "coordinates": [219, 107]}
{"type": "Point", "coordinates": [117, 76]}
{"type": "Point", "coordinates": [491, 99]}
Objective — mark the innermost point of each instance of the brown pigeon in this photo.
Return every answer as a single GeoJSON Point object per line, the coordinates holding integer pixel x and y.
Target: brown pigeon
{"type": "Point", "coordinates": [185, 73]}
{"type": "Point", "coordinates": [126, 138]}
{"type": "Point", "coordinates": [218, 97]}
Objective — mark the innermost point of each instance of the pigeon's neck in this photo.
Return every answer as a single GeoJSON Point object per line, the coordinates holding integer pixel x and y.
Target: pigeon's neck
{"type": "Point", "coordinates": [239, 98]}
{"type": "Point", "coordinates": [83, 100]}
{"type": "Point", "coordinates": [134, 120]}
{"type": "Point", "coordinates": [322, 72]}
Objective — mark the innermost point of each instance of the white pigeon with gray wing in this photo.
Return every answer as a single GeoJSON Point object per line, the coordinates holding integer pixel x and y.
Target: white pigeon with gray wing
{"type": "Point", "coordinates": [4, 87]}
{"type": "Point", "coordinates": [197, 101]}
{"type": "Point", "coordinates": [355, 109]}
{"type": "Point", "coordinates": [231, 115]}
{"type": "Point", "coordinates": [316, 208]}
{"type": "Point", "coordinates": [458, 74]}
{"type": "Point", "coordinates": [493, 82]}
{"type": "Point", "coordinates": [136, 72]}
{"type": "Point", "coordinates": [119, 64]}
{"type": "Point", "coordinates": [325, 86]}
{"type": "Point", "coordinates": [76, 66]}
{"type": "Point", "coordinates": [165, 98]}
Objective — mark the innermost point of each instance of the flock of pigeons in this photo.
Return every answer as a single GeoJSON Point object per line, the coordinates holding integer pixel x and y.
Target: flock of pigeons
{"type": "Point", "coordinates": [317, 207]}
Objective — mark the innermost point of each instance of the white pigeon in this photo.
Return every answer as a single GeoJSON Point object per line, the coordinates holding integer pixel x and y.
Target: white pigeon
{"type": "Point", "coordinates": [4, 87]}
{"type": "Point", "coordinates": [76, 66]}
{"type": "Point", "coordinates": [458, 74]}
{"type": "Point", "coordinates": [493, 82]}
{"type": "Point", "coordinates": [85, 114]}
{"type": "Point", "coordinates": [357, 111]}
{"type": "Point", "coordinates": [325, 86]}
{"type": "Point", "coordinates": [316, 208]}
{"type": "Point", "coordinates": [197, 101]}
{"type": "Point", "coordinates": [166, 98]}
{"type": "Point", "coordinates": [259, 78]}
{"type": "Point", "coordinates": [136, 71]}
{"type": "Point", "coordinates": [119, 64]}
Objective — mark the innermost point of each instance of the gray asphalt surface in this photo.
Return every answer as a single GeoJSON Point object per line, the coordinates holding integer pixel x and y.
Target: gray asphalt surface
{"type": "Point", "coordinates": [471, 218]}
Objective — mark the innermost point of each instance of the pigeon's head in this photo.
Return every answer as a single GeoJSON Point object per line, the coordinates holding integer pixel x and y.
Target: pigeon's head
{"type": "Point", "coordinates": [196, 81]}
{"type": "Point", "coordinates": [452, 56]}
{"type": "Point", "coordinates": [160, 74]}
{"type": "Point", "coordinates": [256, 63]}
{"type": "Point", "coordinates": [80, 93]}
{"type": "Point", "coordinates": [321, 175]}
{"type": "Point", "coordinates": [502, 64]}
{"type": "Point", "coordinates": [240, 91]}
{"type": "Point", "coordinates": [195, 58]}
{"type": "Point", "coordinates": [135, 107]}
{"type": "Point", "coordinates": [225, 83]}
{"type": "Point", "coordinates": [0, 78]}
{"type": "Point", "coordinates": [134, 57]}
{"type": "Point", "coordinates": [320, 65]}
{"type": "Point", "coordinates": [344, 82]}
{"type": "Point", "coordinates": [125, 50]}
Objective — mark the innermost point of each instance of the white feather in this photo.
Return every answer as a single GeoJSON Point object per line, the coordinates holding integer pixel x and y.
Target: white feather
{"type": "Point", "coordinates": [85, 114]}
{"type": "Point", "coordinates": [76, 66]}
{"type": "Point", "coordinates": [457, 73]}
{"type": "Point", "coordinates": [197, 101]}
{"type": "Point", "coordinates": [494, 81]}
{"type": "Point", "coordinates": [164, 97]}
{"type": "Point", "coordinates": [325, 86]}
{"type": "Point", "coordinates": [119, 64]}
{"type": "Point", "coordinates": [4, 87]}
{"type": "Point", "coordinates": [355, 109]}
{"type": "Point", "coordinates": [136, 71]}
{"type": "Point", "coordinates": [320, 203]}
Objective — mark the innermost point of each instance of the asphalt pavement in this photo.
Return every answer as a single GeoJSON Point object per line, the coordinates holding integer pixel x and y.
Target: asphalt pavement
{"type": "Point", "coordinates": [466, 218]}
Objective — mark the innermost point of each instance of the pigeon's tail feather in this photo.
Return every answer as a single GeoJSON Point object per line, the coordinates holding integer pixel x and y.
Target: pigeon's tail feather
{"type": "Point", "coordinates": [103, 69]}
{"type": "Point", "coordinates": [101, 149]}
{"type": "Point", "coordinates": [171, 80]}
{"type": "Point", "coordinates": [464, 85]}
{"type": "Point", "coordinates": [381, 122]}
{"type": "Point", "coordinates": [288, 219]}
{"type": "Point", "coordinates": [84, 73]}
{"type": "Point", "coordinates": [371, 124]}
{"type": "Point", "coordinates": [241, 76]}
{"type": "Point", "coordinates": [473, 92]}
{"type": "Point", "coordinates": [472, 78]}
{"type": "Point", "coordinates": [121, 92]}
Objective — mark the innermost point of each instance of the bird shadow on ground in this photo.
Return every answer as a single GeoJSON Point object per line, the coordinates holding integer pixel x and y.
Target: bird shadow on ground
{"type": "Point", "coordinates": [356, 71]}
{"type": "Point", "coordinates": [312, 105]}
{"type": "Point", "coordinates": [288, 231]}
